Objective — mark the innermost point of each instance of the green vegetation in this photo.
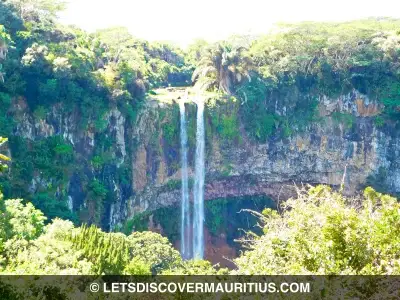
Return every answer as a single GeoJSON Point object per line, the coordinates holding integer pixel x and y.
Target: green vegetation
{"type": "Point", "coordinates": [3, 158]}
{"type": "Point", "coordinates": [51, 157]}
{"type": "Point", "coordinates": [224, 123]}
{"type": "Point", "coordinates": [81, 75]}
{"type": "Point", "coordinates": [226, 216]}
{"type": "Point", "coordinates": [322, 232]}
{"type": "Point", "coordinates": [115, 253]}
{"type": "Point", "coordinates": [221, 215]}
{"type": "Point", "coordinates": [277, 82]}
{"type": "Point", "coordinates": [53, 75]}
{"type": "Point", "coordinates": [265, 85]}
{"type": "Point", "coordinates": [343, 118]}
{"type": "Point", "coordinates": [319, 232]}
{"type": "Point", "coordinates": [27, 246]}
{"type": "Point", "coordinates": [40, 113]}
{"type": "Point", "coordinates": [167, 217]}
{"type": "Point", "coordinates": [196, 267]}
{"type": "Point", "coordinates": [221, 66]}
{"type": "Point", "coordinates": [138, 223]}
{"type": "Point", "coordinates": [378, 181]}
{"type": "Point", "coordinates": [4, 40]}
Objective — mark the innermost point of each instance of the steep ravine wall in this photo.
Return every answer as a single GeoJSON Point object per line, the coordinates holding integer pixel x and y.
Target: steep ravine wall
{"type": "Point", "coordinates": [320, 154]}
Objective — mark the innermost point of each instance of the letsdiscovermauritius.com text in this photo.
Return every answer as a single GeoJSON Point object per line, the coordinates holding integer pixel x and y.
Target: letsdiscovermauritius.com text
{"type": "Point", "coordinates": [202, 287]}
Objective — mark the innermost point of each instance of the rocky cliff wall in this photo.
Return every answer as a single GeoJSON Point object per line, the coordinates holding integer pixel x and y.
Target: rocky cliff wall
{"type": "Point", "coordinates": [319, 154]}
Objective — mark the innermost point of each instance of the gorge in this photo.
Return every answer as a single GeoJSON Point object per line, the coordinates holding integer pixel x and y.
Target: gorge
{"type": "Point", "coordinates": [317, 155]}
{"type": "Point", "coordinates": [102, 127]}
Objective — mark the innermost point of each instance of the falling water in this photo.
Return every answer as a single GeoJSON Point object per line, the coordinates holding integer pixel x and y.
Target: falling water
{"type": "Point", "coordinates": [198, 222]}
{"type": "Point", "coordinates": [185, 212]}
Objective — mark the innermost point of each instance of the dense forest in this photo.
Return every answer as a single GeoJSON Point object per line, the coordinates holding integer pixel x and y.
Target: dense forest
{"type": "Point", "coordinates": [44, 65]}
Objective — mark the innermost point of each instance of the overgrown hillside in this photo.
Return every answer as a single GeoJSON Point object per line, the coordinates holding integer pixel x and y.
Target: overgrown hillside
{"type": "Point", "coordinates": [94, 140]}
{"type": "Point", "coordinates": [93, 149]}
{"type": "Point", "coordinates": [65, 71]}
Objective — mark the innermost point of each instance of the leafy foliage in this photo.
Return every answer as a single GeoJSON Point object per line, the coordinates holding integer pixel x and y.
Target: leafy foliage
{"type": "Point", "coordinates": [25, 222]}
{"type": "Point", "coordinates": [4, 39]}
{"type": "Point", "coordinates": [19, 221]}
{"type": "Point", "coordinates": [53, 69]}
{"type": "Point", "coordinates": [322, 232]}
{"type": "Point", "coordinates": [331, 59]}
{"type": "Point", "coordinates": [154, 249]}
{"type": "Point", "coordinates": [30, 10]}
{"type": "Point", "coordinates": [3, 158]}
{"type": "Point", "coordinates": [196, 267]}
{"type": "Point", "coordinates": [277, 79]}
{"type": "Point", "coordinates": [51, 253]}
{"type": "Point", "coordinates": [221, 67]}
{"type": "Point", "coordinates": [115, 253]}
{"type": "Point", "coordinates": [225, 123]}
{"type": "Point", "coordinates": [346, 119]}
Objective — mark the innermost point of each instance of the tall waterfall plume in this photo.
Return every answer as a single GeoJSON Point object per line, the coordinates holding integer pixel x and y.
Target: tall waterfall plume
{"type": "Point", "coordinates": [198, 212]}
{"type": "Point", "coordinates": [185, 211]}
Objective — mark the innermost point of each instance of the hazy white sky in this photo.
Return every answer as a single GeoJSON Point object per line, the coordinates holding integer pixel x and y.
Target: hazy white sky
{"type": "Point", "coordinates": [181, 21]}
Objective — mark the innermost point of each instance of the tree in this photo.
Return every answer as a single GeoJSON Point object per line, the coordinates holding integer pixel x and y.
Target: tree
{"type": "Point", "coordinates": [221, 67]}
{"type": "Point", "coordinates": [18, 222]}
{"type": "Point", "coordinates": [137, 267]}
{"type": "Point", "coordinates": [23, 221]}
{"type": "Point", "coordinates": [106, 251]}
{"type": "Point", "coordinates": [323, 232]}
{"type": "Point", "coordinates": [35, 10]}
{"type": "Point", "coordinates": [115, 253]}
{"type": "Point", "coordinates": [51, 253]}
{"type": "Point", "coordinates": [195, 51]}
{"type": "Point", "coordinates": [153, 249]}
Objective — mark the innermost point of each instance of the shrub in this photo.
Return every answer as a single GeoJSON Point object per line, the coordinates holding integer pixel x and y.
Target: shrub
{"type": "Point", "coordinates": [344, 118]}
{"type": "Point", "coordinates": [322, 232]}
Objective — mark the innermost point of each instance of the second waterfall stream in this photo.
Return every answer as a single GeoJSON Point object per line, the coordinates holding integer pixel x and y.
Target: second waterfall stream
{"type": "Point", "coordinates": [198, 193]}
{"type": "Point", "coordinates": [192, 248]}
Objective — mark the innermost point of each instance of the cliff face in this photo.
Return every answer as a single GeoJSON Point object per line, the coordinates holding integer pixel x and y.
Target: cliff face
{"type": "Point", "coordinates": [319, 154]}
{"type": "Point", "coordinates": [59, 122]}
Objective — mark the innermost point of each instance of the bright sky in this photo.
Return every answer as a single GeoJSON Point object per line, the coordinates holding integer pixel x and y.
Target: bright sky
{"type": "Point", "coordinates": [182, 21]}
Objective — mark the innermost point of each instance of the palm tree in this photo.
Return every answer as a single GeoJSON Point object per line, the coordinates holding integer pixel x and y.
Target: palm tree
{"type": "Point", "coordinates": [221, 67]}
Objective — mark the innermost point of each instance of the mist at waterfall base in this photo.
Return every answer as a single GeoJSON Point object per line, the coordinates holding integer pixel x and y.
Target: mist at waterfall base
{"type": "Point", "coordinates": [198, 192]}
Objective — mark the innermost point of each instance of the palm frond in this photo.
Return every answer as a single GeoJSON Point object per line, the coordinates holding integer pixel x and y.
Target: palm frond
{"type": "Point", "coordinates": [203, 71]}
{"type": "Point", "coordinates": [204, 83]}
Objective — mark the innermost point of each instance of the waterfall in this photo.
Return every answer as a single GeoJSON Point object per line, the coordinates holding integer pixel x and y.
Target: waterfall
{"type": "Point", "coordinates": [185, 211]}
{"type": "Point", "coordinates": [198, 192]}
{"type": "Point", "coordinates": [70, 203]}
{"type": "Point", "coordinates": [198, 213]}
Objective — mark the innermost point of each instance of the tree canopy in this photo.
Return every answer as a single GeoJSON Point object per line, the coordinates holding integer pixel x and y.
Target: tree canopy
{"type": "Point", "coordinates": [323, 232]}
{"type": "Point", "coordinates": [277, 78]}
{"type": "Point", "coordinates": [34, 10]}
